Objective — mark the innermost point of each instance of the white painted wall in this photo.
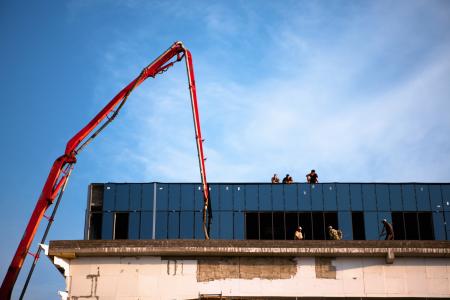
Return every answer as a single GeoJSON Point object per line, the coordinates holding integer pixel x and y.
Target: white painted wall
{"type": "Point", "coordinates": [155, 278]}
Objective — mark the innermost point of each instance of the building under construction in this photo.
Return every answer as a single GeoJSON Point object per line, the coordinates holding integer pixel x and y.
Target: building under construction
{"type": "Point", "coordinates": [145, 241]}
{"type": "Point", "coordinates": [236, 240]}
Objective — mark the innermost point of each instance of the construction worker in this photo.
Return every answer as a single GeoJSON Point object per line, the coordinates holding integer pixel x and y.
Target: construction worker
{"type": "Point", "coordinates": [275, 179]}
{"type": "Point", "coordinates": [312, 177]}
{"type": "Point", "coordinates": [388, 230]}
{"type": "Point", "coordinates": [288, 179]}
{"type": "Point", "coordinates": [334, 234]}
{"type": "Point", "coordinates": [298, 234]}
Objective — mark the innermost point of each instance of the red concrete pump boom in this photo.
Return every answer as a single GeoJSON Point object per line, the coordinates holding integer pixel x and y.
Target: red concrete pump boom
{"type": "Point", "coordinates": [62, 167]}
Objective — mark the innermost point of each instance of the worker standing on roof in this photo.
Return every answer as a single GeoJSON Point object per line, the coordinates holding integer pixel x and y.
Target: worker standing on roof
{"type": "Point", "coordinates": [334, 234]}
{"type": "Point", "coordinates": [298, 234]}
{"type": "Point", "coordinates": [312, 177]}
{"type": "Point", "coordinates": [388, 230]}
{"type": "Point", "coordinates": [275, 178]}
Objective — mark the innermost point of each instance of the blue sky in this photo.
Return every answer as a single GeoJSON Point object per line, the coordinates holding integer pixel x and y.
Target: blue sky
{"type": "Point", "coordinates": [357, 90]}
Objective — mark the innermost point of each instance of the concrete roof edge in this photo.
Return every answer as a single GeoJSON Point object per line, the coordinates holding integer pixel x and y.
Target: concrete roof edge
{"type": "Point", "coordinates": [194, 248]}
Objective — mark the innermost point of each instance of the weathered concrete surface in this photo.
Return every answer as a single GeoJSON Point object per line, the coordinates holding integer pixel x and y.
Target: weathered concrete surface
{"type": "Point", "coordinates": [325, 268]}
{"type": "Point", "coordinates": [196, 248]}
{"type": "Point", "coordinates": [151, 277]}
{"type": "Point", "coordinates": [215, 268]}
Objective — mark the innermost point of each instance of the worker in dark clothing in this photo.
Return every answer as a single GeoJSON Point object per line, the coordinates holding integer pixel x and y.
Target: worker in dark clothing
{"type": "Point", "coordinates": [288, 179]}
{"type": "Point", "coordinates": [388, 230]}
{"type": "Point", "coordinates": [275, 179]}
{"type": "Point", "coordinates": [312, 177]}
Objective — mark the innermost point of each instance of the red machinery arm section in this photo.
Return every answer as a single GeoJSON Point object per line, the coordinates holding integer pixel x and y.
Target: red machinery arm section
{"type": "Point", "coordinates": [58, 174]}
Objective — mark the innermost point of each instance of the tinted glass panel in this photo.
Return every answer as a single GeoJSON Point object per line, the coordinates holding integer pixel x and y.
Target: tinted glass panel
{"type": "Point", "coordinates": [122, 196]}
{"type": "Point", "coordinates": [331, 219]}
{"type": "Point", "coordinates": [226, 197]}
{"type": "Point", "coordinates": [265, 202]}
{"type": "Point", "coordinates": [439, 226]}
{"type": "Point", "coordinates": [198, 198]}
{"type": "Point", "coordinates": [265, 226]}
{"type": "Point", "coordinates": [345, 224]}
{"type": "Point", "coordinates": [411, 226]}
{"type": "Point", "coordinates": [134, 225]}
{"type": "Point", "coordinates": [447, 222]}
{"type": "Point", "coordinates": [423, 197]}
{"type": "Point", "coordinates": [251, 197]}
{"type": "Point", "coordinates": [316, 196]}
{"type": "Point", "coordinates": [277, 196]}
{"type": "Point", "coordinates": [409, 198]}
{"type": "Point", "coordinates": [305, 221]}
{"type": "Point", "coordinates": [446, 196]}
{"type": "Point", "coordinates": [290, 196]}
{"type": "Point", "coordinates": [174, 225]}
{"type": "Point", "coordinates": [107, 226]}
{"type": "Point", "coordinates": [239, 197]}
{"type": "Point", "coordinates": [436, 197]}
{"type": "Point", "coordinates": [214, 193]}
{"type": "Point", "coordinates": [395, 193]}
{"type": "Point", "coordinates": [304, 197]}
{"type": "Point", "coordinates": [162, 196]}
{"type": "Point", "coordinates": [278, 226]}
{"type": "Point", "coordinates": [382, 192]}
{"type": "Point", "coordinates": [318, 226]}
{"type": "Point", "coordinates": [135, 196]}
{"type": "Point", "coordinates": [161, 225]}
{"type": "Point", "coordinates": [343, 196]}
{"type": "Point", "coordinates": [226, 225]}
{"type": "Point", "coordinates": [187, 196]}
{"type": "Point", "coordinates": [291, 224]}
{"type": "Point", "coordinates": [198, 223]}
{"type": "Point", "coordinates": [358, 225]}
{"type": "Point", "coordinates": [187, 224]}
{"type": "Point", "coordinates": [426, 226]}
{"type": "Point", "coordinates": [356, 197]}
{"type": "Point", "coordinates": [329, 195]}
{"type": "Point", "coordinates": [146, 225]}
{"type": "Point", "coordinates": [121, 226]}
{"type": "Point", "coordinates": [215, 225]}
{"type": "Point", "coordinates": [252, 226]}
{"type": "Point", "coordinates": [239, 226]}
{"type": "Point", "coordinates": [95, 226]}
{"type": "Point", "coordinates": [371, 224]}
{"type": "Point", "coordinates": [147, 196]}
{"type": "Point", "coordinates": [174, 197]}
{"type": "Point", "coordinates": [369, 200]}
{"type": "Point", "coordinates": [399, 225]}
{"type": "Point", "coordinates": [109, 198]}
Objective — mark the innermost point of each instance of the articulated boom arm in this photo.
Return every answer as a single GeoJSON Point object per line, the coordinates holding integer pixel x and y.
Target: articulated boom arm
{"type": "Point", "coordinates": [62, 167]}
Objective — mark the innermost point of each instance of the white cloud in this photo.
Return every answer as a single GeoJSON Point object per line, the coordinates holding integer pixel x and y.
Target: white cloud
{"type": "Point", "coordinates": [333, 107]}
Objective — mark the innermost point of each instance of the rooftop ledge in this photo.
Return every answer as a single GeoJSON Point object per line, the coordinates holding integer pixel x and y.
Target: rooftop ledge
{"type": "Point", "coordinates": [194, 248]}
